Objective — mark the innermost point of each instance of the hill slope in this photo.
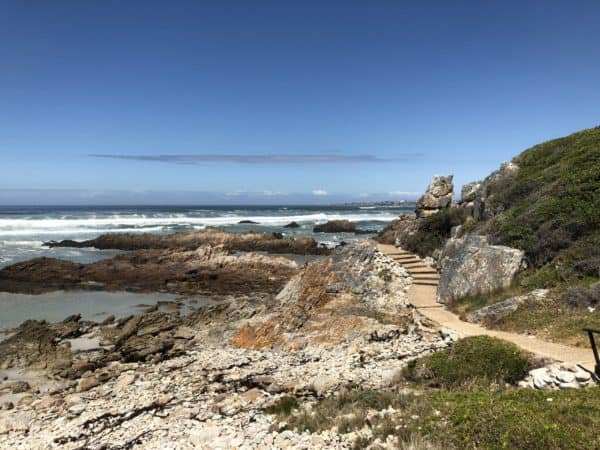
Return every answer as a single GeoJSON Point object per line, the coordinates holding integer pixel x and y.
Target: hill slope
{"type": "Point", "coordinates": [551, 206]}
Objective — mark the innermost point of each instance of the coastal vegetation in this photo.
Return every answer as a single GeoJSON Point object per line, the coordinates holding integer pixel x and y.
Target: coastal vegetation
{"type": "Point", "coordinates": [473, 406]}
{"type": "Point", "coordinates": [433, 231]}
{"type": "Point", "coordinates": [480, 360]}
{"type": "Point", "coordinates": [547, 204]}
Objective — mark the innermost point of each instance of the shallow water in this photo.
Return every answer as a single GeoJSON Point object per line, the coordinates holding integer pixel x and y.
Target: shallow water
{"type": "Point", "coordinates": [56, 306]}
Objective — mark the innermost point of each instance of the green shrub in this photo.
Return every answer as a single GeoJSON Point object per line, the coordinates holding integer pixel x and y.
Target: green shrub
{"type": "Point", "coordinates": [477, 360]}
{"type": "Point", "coordinates": [433, 231]}
{"type": "Point", "coordinates": [283, 406]}
{"type": "Point", "coordinates": [583, 297]}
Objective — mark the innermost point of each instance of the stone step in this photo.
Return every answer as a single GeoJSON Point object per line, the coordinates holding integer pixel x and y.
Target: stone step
{"type": "Point", "coordinates": [406, 255]}
{"type": "Point", "coordinates": [426, 275]}
{"type": "Point", "coordinates": [432, 280]}
{"type": "Point", "coordinates": [410, 261]}
{"type": "Point", "coordinates": [405, 258]}
{"type": "Point", "coordinates": [413, 265]}
{"type": "Point", "coordinates": [399, 253]}
{"type": "Point", "coordinates": [426, 283]}
{"type": "Point", "coordinates": [423, 270]}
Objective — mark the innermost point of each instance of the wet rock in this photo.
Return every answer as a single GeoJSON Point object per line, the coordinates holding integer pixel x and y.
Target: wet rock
{"type": "Point", "coordinates": [207, 268]}
{"type": "Point", "coordinates": [292, 225]}
{"type": "Point", "coordinates": [110, 319]}
{"type": "Point", "coordinates": [336, 226]}
{"type": "Point", "coordinates": [191, 240]}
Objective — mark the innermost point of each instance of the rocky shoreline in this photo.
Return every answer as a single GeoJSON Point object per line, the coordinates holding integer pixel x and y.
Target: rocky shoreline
{"type": "Point", "coordinates": [159, 379]}
{"type": "Point", "coordinates": [206, 379]}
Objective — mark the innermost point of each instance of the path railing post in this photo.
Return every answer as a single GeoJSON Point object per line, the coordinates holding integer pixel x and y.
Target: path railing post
{"type": "Point", "coordinates": [590, 332]}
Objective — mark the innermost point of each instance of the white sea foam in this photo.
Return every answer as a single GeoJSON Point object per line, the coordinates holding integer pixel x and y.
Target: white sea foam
{"type": "Point", "coordinates": [136, 222]}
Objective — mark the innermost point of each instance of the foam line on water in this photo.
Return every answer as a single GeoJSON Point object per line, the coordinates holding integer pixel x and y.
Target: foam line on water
{"type": "Point", "coordinates": [16, 227]}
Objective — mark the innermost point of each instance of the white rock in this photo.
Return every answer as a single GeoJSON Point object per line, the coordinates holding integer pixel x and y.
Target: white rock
{"type": "Point", "coordinates": [582, 376]}
{"type": "Point", "coordinates": [565, 377]}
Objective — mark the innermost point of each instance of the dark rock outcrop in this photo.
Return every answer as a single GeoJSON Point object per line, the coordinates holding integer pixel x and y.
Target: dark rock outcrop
{"type": "Point", "coordinates": [207, 269]}
{"type": "Point", "coordinates": [336, 226]}
{"type": "Point", "coordinates": [292, 225]}
{"type": "Point", "coordinates": [246, 242]}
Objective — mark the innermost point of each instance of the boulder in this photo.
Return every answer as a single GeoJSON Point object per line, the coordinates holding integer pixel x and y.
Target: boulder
{"type": "Point", "coordinates": [437, 197]}
{"type": "Point", "coordinates": [469, 192]}
{"type": "Point", "coordinates": [471, 266]}
{"type": "Point", "coordinates": [336, 226]}
{"type": "Point", "coordinates": [504, 308]}
{"type": "Point", "coordinates": [292, 225]}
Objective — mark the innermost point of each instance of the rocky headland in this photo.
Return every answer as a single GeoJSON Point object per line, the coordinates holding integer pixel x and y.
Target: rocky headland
{"type": "Point", "coordinates": [204, 379]}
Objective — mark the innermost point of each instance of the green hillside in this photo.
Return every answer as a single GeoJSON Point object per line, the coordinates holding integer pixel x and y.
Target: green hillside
{"type": "Point", "coordinates": [551, 207]}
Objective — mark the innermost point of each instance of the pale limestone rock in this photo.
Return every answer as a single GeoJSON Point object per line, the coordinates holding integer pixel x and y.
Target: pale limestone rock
{"type": "Point", "coordinates": [471, 266]}
{"type": "Point", "coordinates": [437, 197]}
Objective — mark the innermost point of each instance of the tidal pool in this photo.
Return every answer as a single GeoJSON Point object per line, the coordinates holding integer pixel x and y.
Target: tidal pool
{"type": "Point", "coordinates": [55, 306]}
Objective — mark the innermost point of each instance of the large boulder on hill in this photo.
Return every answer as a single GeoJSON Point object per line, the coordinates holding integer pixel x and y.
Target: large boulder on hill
{"type": "Point", "coordinates": [336, 226]}
{"type": "Point", "coordinates": [438, 196]}
{"type": "Point", "coordinates": [471, 266]}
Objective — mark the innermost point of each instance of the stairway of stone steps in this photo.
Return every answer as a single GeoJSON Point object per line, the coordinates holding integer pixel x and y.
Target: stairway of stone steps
{"type": "Point", "coordinates": [421, 273]}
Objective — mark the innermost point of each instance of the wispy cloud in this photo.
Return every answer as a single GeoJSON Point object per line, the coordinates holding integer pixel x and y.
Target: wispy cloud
{"type": "Point", "coordinates": [262, 159]}
{"type": "Point", "coordinates": [319, 193]}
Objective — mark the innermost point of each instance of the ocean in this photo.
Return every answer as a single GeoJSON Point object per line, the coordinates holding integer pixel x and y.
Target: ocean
{"type": "Point", "coordinates": [23, 230]}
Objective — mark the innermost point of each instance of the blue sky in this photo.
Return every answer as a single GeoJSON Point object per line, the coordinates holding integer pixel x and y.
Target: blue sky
{"type": "Point", "coordinates": [117, 101]}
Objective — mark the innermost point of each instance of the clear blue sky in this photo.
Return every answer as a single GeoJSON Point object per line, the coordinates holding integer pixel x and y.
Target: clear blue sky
{"type": "Point", "coordinates": [177, 99]}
